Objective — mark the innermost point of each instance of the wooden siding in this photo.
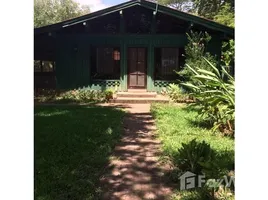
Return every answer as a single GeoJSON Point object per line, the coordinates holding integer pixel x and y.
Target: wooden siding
{"type": "Point", "coordinates": [73, 56]}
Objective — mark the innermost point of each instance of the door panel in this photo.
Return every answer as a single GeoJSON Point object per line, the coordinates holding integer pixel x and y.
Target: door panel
{"type": "Point", "coordinates": [137, 67]}
{"type": "Point", "coordinates": [132, 80]}
{"type": "Point", "coordinates": [141, 80]}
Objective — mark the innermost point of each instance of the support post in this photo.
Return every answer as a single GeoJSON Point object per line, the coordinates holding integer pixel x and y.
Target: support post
{"type": "Point", "coordinates": [150, 68]}
{"type": "Point", "coordinates": [122, 24]}
{"type": "Point", "coordinates": [153, 27]}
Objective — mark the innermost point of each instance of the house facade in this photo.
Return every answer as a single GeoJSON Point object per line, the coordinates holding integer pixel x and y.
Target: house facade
{"type": "Point", "coordinates": [133, 45]}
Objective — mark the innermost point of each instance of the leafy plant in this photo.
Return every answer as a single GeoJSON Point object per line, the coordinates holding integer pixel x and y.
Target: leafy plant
{"type": "Point", "coordinates": [224, 193]}
{"type": "Point", "coordinates": [226, 15]}
{"type": "Point", "coordinates": [192, 154]}
{"type": "Point", "coordinates": [83, 95]}
{"type": "Point", "coordinates": [195, 50]}
{"type": "Point", "coordinates": [215, 96]}
{"type": "Point", "coordinates": [176, 93]}
{"type": "Point", "coordinates": [228, 55]}
{"type": "Point", "coordinates": [108, 94]}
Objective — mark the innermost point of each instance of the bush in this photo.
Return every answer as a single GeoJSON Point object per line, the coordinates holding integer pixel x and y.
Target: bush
{"type": "Point", "coordinates": [215, 96]}
{"type": "Point", "coordinates": [195, 50]}
{"type": "Point", "coordinates": [108, 94]}
{"type": "Point", "coordinates": [176, 93]}
{"type": "Point", "coordinates": [85, 95]}
{"type": "Point", "coordinates": [193, 154]}
{"type": "Point", "coordinates": [77, 96]}
{"type": "Point", "coordinates": [200, 158]}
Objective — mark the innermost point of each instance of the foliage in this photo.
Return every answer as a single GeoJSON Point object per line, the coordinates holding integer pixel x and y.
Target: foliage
{"type": "Point", "coordinates": [77, 96]}
{"type": "Point", "coordinates": [195, 50]}
{"type": "Point", "coordinates": [72, 146]}
{"type": "Point", "coordinates": [108, 94]}
{"type": "Point", "coordinates": [178, 125]}
{"type": "Point", "coordinates": [176, 93]}
{"type": "Point", "coordinates": [214, 95]}
{"type": "Point", "coordinates": [52, 11]}
{"type": "Point", "coordinates": [206, 8]}
{"type": "Point", "coordinates": [224, 193]}
{"type": "Point", "coordinates": [86, 95]}
{"type": "Point", "coordinates": [182, 5]}
{"type": "Point", "coordinates": [221, 11]}
{"type": "Point", "coordinates": [181, 124]}
{"type": "Point", "coordinates": [192, 154]}
{"type": "Point", "coordinates": [226, 15]}
{"type": "Point", "coordinates": [228, 56]}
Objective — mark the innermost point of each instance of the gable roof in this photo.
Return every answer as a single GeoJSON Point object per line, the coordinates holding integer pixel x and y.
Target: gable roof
{"type": "Point", "coordinates": [150, 5]}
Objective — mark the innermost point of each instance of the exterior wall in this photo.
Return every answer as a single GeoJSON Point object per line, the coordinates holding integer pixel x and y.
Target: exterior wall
{"type": "Point", "coordinates": [73, 58]}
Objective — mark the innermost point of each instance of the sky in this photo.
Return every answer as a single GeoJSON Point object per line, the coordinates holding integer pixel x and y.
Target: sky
{"type": "Point", "coordinates": [99, 4]}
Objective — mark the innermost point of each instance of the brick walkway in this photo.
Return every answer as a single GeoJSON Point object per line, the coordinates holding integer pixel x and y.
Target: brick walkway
{"type": "Point", "coordinates": [134, 171]}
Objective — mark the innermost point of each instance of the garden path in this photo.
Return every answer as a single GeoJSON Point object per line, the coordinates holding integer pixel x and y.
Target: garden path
{"type": "Point", "coordinates": [134, 172]}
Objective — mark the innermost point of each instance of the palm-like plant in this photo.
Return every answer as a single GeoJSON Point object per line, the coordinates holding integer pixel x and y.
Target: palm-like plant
{"type": "Point", "coordinates": [215, 93]}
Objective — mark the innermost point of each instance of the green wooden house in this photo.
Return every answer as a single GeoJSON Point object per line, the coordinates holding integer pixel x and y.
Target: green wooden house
{"type": "Point", "coordinates": [133, 45]}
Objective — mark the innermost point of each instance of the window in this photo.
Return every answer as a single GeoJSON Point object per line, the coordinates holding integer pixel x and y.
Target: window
{"type": "Point", "coordinates": [37, 66]}
{"type": "Point", "coordinates": [105, 62]}
{"type": "Point", "coordinates": [116, 55]}
{"type": "Point", "coordinates": [44, 66]}
{"type": "Point", "coordinates": [48, 66]}
{"type": "Point", "coordinates": [167, 60]}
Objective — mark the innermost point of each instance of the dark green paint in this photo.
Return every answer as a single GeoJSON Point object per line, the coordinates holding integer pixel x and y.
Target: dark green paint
{"type": "Point", "coordinates": [73, 60]}
{"type": "Point", "coordinates": [73, 56]}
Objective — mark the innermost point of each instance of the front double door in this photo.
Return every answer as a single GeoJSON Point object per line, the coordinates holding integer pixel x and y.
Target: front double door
{"type": "Point", "coordinates": [137, 60]}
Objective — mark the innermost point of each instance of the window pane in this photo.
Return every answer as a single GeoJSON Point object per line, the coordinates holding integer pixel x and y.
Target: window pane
{"type": "Point", "coordinates": [166, 62]}
{"type": "Point", "coordinates": [37, 66]}
{"type": "Point", "coordinates": [169, 60]}
{"type": "Point", "coordinates": [105, 60]}
{"type": "Point", "coordinates": [108, 63]}
{"type": "Point", "coordinates": [47, 66]}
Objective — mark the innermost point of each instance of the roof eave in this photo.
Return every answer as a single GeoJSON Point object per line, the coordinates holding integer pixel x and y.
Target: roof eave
{"type": "Point", "coordinates": [162, 9]}
{"type": "Point", "coordinates": [87, 17]}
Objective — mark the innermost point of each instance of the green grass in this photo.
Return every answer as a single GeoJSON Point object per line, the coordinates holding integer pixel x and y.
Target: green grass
{"type": "Point", "coordinates": [72, 146]}
{"type": "Point", "coordinates": [181, 124]}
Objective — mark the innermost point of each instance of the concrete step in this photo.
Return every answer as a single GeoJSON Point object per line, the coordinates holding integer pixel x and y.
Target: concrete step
{"type": "Point", "coordinates": [137, 90]}
{"type": "Point", "coordinates": [137, 94]}
{"type": "Point", "coordinates": [138, 100]}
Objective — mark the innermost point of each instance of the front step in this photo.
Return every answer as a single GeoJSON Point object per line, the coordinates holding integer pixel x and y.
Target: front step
{"type": "Point", "coordinates": [136, 94]}
{"type": "Point", "coordinates": [138, 100]}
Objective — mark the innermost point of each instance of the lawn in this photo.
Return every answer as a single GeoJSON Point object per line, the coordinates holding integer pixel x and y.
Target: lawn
{"type": "Point", "coordinates": [181, 124]}
{"type": "Point", "coordinates": [72, 144]}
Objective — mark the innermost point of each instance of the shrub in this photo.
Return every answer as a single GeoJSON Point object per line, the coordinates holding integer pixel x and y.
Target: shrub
{"type": "Point", "coordinates": [228, 56]}
{"type": "Point", "coordinates": [226, 15]}
{"type": "Point", "coordinates": [215, 96]}
{"type": "Point", "coordinates": [176, 93]}
{"type": "Point", "coordinates": [200, 158]}
{"type": "Point", "coordinates": [193, 154]}
{"type": "Point", "coordinates": [195, 50]}
{"type": "Point", "coordinates": [85, 95]}
{"type": "Point", "coordinates": [108, 94]}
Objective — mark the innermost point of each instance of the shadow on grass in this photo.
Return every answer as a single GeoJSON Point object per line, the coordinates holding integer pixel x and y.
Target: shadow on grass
{"type": "Point", "coordinates": [72, 146]}
{"type": "Point", "coordinates": [198, 121]}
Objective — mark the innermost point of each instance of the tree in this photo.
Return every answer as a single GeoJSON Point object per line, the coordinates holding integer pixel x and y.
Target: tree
{"type": "Point", "coordinates": [52, 11]}
{"type": "Point", "coordinates": [225, 15]}
{"type": "Point", "coordinates": [221, 11]}
{"type": "Point", "coordinates": [182, 5]}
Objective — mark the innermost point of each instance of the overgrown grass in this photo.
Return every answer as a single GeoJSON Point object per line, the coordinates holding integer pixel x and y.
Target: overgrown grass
{"type": "Point", "coordinates": [180, 124]}
{"type": "Point", "coordinates": [72, 146]}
